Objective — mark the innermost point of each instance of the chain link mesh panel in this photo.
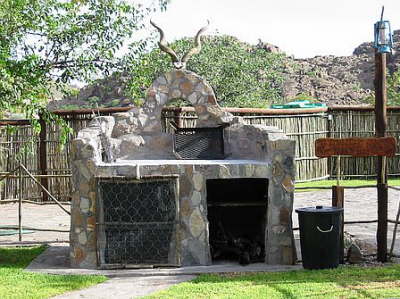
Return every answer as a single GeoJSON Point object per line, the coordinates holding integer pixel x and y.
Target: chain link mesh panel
{"type": "Point", "coordinates": [137, 220]}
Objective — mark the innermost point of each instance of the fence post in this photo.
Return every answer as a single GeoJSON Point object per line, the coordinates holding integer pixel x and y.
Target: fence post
{"type": "Point", "coordinates": [338, 201]}
{"type": "Point", "coordinates": [178, 117]}
{"type": "Point", "coordinates": [20, 204]}
{"type": "Point", "coordinates": [43, 156]}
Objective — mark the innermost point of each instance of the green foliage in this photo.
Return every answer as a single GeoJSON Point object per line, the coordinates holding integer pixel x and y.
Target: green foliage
{"type": "Point", "coordinates": [45, 44]}
{"type": "Point", "coordinates": [114, 103]}
{"type": "Point", "coordinates": [393, 89]}
{"type": "Point", "coordinates": [304, 96]}
{"type": "Point", "coordinates": [241, 75]}
{"type": "Point", "coordinates": [17, 283]}
{"type": "Point", "coordinates": [93, 101]}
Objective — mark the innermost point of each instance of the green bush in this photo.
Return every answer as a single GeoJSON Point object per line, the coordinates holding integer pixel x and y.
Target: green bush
{"type": "Point", "coordinates": [240, 74]}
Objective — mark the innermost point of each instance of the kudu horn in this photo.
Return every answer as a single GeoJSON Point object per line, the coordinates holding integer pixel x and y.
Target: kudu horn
{"type": "Point", "coordinates": [180, 63]}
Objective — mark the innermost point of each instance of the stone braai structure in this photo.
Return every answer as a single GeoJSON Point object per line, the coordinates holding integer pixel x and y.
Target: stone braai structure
{"type": "Point", "coordinates": [134, 146]}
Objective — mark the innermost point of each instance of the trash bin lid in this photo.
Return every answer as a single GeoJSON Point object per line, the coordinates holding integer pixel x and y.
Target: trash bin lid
{"type": "Point", "coordinates": [319, 209]}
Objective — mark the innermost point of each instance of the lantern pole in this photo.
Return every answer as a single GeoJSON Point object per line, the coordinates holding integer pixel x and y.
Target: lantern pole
{"type": "Point", "coordinates": [380, 131]}
{"type": "Point", "coordinates": [381, 50]}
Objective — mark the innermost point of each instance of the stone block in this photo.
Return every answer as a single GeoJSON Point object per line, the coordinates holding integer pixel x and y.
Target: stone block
{"type": "Point", "coordinates": [161, 80]}
{"type": "Point", "coordinates": [196, 198]}
{"type": "Point", "coordinates": [288, 184]}
{"type": "Point", "coordinates": [76, 218]}
{"type": "Point", "coordinates": [284, 216]}
{"type": "Point", "coordinates": [169, 77]}
{"type": "Point", "coordinates": [262, 171]}
{"type": "Point", "coordinates": [80, 165]}
{"type": "Point", "coordinates": [78, 256]}
{"type": "Point", "coordinates": [180, 74]}
{"type": "Point", "coordinates": [127, 170]}
{"type": "Point", "coordinates": [224, 172]}
{"type": "Point", "coordinates": [199, 250]}
{"type": "Point", "coordinates": [196, 223]}
{"type": "Point", "coordinates": [175, 94]}
{"type": "Point", "coordinates": [185, 208]}
{"type": "Point", "coordinates": [279, 229]}
{"type": "Point", "coordinates": [82, 238]}
{"type": "Point", "coordinates": [192, 98]}
{"type": "Point", "coordinates": [277, 172]}
{"type": "Point", "coordinates": [186, 87]}
{"type": "Point", "coordinates": [84, 204]}
{"type": "Point", "coordinates": [288, 256]}
{"type": "Point", "coordinates": [91, 223]}
{"type": "Point", "coordinates": [249, 170]}
{"type": "Point", "coordinates": [185, 187]}
{"type": "Point", "coordinates": [91, 241]}
{"type": "Point", "coordinates": [198, 181]}
{"type": "Point", "coordinates": [90, 260]}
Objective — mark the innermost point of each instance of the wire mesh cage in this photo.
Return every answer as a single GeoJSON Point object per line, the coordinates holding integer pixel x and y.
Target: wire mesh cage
{"type": "Point", "coordinates": [136, 222]}
{"type": "Point", "coordinates": [199, 143]}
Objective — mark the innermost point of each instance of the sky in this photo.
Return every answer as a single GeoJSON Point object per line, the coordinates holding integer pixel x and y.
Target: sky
{"type": "Point", "coordinates": [302, 28]}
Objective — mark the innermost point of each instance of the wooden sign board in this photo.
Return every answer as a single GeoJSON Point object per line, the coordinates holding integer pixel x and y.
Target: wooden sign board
{"type": "Point", "coordinates": [356, 147]}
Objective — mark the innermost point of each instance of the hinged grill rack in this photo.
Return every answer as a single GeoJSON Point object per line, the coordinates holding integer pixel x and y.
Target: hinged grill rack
{"type": "Point", "coordinates": [199, 143]}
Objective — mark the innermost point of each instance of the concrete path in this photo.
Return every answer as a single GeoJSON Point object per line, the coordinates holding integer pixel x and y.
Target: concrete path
{"type": "Point", "coordinates": [55, 260]}
{"type": "Point", "coordinates": [127, 287]}
{"type": "Point", "coordinates": [134, 283]}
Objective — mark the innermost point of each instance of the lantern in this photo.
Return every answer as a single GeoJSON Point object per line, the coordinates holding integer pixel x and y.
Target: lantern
{"type": "Point", "coordinates": [383, 36]}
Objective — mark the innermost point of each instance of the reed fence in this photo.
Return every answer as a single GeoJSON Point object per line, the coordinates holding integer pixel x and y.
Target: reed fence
{"type": "Point", "coordinates": [44, 157]}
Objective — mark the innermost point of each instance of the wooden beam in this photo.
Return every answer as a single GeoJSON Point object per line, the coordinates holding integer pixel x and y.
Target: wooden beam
{"type": "Point", "coordinates": [44, 189]}
{"type": "Point", "coordinates": [15, 122]}
{"type": "Point", "coordinates": [360, 108]}
{"type": "Point", "coordinates": [43, 156]}
{"type": "Point", "coordinates": [355, 147]}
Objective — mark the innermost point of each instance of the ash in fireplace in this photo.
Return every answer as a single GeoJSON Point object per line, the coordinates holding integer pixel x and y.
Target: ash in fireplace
{"type": "Point", "coordinates": [245, 249]}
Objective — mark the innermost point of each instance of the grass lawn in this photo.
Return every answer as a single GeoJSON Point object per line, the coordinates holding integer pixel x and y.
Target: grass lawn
{"type": "Point", "coordinates": [344, 282]}
{"type": "Point", "coordinates": [329, 183]}
{"type": "Point", "coordinates": [16, 283]}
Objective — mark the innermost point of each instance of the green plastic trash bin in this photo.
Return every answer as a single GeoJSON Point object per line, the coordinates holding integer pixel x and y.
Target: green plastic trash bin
{"type": "Point", "coordinates": [320, 236]}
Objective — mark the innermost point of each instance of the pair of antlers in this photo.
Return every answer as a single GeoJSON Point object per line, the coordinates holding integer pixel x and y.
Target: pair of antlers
{"type": "Point", "coordinates": [180, 63]}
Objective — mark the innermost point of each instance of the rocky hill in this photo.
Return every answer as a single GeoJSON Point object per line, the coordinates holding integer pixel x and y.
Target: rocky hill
{"type": "Point", "coordinates": [344, 80]}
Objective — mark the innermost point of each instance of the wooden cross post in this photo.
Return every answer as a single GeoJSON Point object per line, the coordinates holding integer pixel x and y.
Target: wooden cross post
{"type": "Point", "coordinates": [381, 147]}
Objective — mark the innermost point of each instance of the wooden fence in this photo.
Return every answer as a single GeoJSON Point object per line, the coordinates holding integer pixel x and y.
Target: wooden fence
{"type": "Point", "coordinates": [44, 156]}
{"type": "Point", "coordinates": [360, 122]}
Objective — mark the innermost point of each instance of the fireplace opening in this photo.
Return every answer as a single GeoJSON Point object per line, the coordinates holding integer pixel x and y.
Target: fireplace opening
{"type": "Point", "coordinates": [237, 211]}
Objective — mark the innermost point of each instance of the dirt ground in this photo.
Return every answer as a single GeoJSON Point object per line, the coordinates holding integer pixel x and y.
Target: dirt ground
{"type": "Point", "coordinates": [37, 216]}
{"type": "Point", "coordinates": [360, 204]}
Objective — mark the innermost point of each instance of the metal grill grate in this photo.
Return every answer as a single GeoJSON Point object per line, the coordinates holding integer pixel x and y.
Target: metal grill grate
{"type": "Point", "coordinates": [136, 222]}
{"type": "Point", "coordinates": [199, 143]}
